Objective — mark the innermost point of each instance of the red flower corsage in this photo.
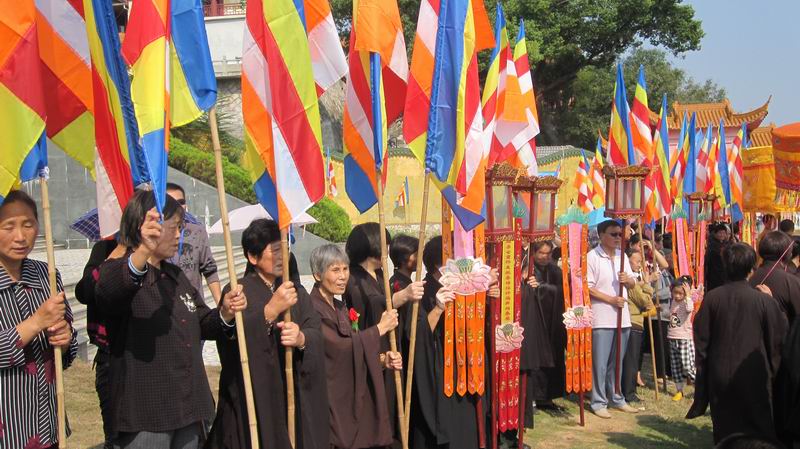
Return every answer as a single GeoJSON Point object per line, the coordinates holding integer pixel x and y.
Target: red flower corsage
{"type": "Point", "coordinates": [354, 319]}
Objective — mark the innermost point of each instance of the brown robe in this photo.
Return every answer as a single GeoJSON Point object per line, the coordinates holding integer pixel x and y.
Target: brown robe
{"type": "Point", "coordinates": [359, 416]}
{"type": "Point", "coordinates": [738, 333]}
{"type": "Point", "coordinates": [266, 358]}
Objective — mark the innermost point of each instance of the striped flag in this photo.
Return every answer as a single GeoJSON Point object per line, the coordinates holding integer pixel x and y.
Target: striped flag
{"type": "Point", "coordinates": [332, 190]}
{"type": "Point", "coordinates": [703, 153]}
{"type": "Point", "coordinates": [22, 103]}
{"type": "Point", "coordinates": [723, 177]}
{"type": "Point", "coordinates": [689, 154]}
{"type": "Point", "coordinates": [119, 160]}
{"type": "Point", "coordinates": [596, 175]}
{"type": "Point", "coordinates": [173, 78]}
{"type": "Point", "coordinates": [327, 56]}
{"type": "Point", "coordinates": [283, 137]}
{"type": "Point", "coordinates": [66, 71]}
{"type": "Point", "coordinates": [509, 103]}
{"type": "Point", "coordinates": [402, 197]}
{"type": "Point", "coordinates": [641, 134]}
{"type": "Point", "coordinates": [660, 203]}
{"type": "Point", "coordinates": [677, 162]}
{"type": "Point", "coordinates": [374, 96]}
{"type": "Point", "coordinates": [620, 142]}
{"type": "Point", "coordinates": [583, 184]}
{"type": "Point", "coordinates": [736, 173]}
{"type": "Point", "coordinates": [443, 123]}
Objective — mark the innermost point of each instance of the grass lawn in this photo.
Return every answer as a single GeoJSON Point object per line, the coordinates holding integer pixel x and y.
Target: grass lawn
{"type": "Point", "coordinates": [661, 425]}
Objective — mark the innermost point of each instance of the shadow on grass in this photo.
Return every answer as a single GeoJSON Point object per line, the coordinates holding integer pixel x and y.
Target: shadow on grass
{"type": "Point", "coordinates": [658, 432]}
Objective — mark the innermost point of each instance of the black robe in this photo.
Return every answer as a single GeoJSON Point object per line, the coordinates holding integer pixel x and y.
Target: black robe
{"type": "Point", "coordinates": [784, 285]}
{"type": "Point", "coordinates": [267, 371]}
{"type": "Point", "coordinates": [359, 417]}
{"type": "Point", "coordinates": [714, 272]}
{"type": "Point", "coordinates": [436, 421]}
{"type": "Point", "coordinates": [738, 333]}
{"type": "Point", "coordinates": [787, 390]}
{"type": "Point", "coordinates": [542, 354]}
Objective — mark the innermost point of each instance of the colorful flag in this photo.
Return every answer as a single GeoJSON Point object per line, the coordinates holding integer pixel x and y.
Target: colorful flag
{"type": "Point", "coordinates": [736, 172]}
{"type": "Point", "coordinates": [596, 175]}
{"type": "Point", "coordinates": [640, 123]}
{"type": "Point", "coordinates": [703, 153]}
{"type": "Point", "coordinates": [283, 137]}
{"type": "Point", "coordinates": [660, 203]}
{"type": "Point", "coordinates": [119, 160]}
{"type": "Point", "coordinates": [331, 175]}
{"type": "Point", "coordinates": [66, 71]}
{"type": "Point", "coordinates": [509, 102]}
{"type": "Point", "coordinates": [374, 97]}
{"type": "Point", "coordinates": [443, 123]}
{"type": "Point", "coordinates": [677, 161]}
{"type": "Point", "coordinates": [723, 177]}
{"type": "Point", "coordinates": [620, 142]}
{"type": "Point", "coordinates": [689, 184]}
{"type": "Point", "coordinates": [327, 55]}
{"type": "Point", "coordinates": [173, 77]}
{"type": "Point", "coordinates": [402, 197]}
{"type": "Point", "coordinates": [22, 103]}
{"type": "Point", "coordinates": [583, 184]}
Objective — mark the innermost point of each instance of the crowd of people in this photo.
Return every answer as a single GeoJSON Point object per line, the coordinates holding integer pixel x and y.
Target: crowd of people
{"type": "Point", "coordinates": [734, 337]}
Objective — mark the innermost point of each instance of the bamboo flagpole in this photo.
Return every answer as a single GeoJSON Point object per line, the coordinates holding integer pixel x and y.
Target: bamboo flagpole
{"type": "Point", "coordinates": [415, 307]}
{"type": "Point", "coordinates": [289, 351]}
{"type": "Point", "coordinates": [57, 353]}
{"type": "Point", "coordinates": [234, 282]}
{"type": "Point", "coordinates": [650, 321]}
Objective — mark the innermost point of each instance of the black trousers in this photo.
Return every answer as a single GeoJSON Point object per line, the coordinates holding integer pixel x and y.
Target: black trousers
{"type": "Point", "coordinates": [630, 364]}
{"type": "Point", "coordinates": [101, 367]}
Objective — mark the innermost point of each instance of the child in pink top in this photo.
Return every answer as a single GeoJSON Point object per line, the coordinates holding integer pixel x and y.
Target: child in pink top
{"type": "Point", "coordinates": [680, 337]}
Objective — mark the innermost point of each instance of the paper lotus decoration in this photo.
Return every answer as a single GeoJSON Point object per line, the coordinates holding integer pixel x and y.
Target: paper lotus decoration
{"type": "Point", "coordinates": [579, 317]}
{"type": "Point", "coordinates": [508, 337]}
{"type": "Point", "coordinates": [466, 276]}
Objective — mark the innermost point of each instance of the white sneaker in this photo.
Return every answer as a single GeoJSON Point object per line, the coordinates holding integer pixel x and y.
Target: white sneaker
{"type": "Point", "coordinates": [626, 408]}
{"type": "Point", "coordinates": [602, 413]}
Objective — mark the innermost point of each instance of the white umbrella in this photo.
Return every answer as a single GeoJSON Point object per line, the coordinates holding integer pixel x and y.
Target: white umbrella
{"type": "Point", "coordinates": [242, 217]}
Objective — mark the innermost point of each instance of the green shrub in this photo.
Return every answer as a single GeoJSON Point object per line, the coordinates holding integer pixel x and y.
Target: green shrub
{"type": "Point", "coordinates": [334, 224]}
{"type": "Point", "coordinates": [198, 134]}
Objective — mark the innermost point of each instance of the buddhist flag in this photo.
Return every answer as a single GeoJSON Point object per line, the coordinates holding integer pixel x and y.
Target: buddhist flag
{"type": "Point", "coordinates": [722, 167]}
{"type": "Point", "coordinates": [677, 162]}
{"type": "Point", "coordinates": [119, 160]}
{"type": "Point", "coordinates": [735, 170]}
{"type": "Point", "coordinates": [640, 117]}
{"type": "Point", "coordinates": [173, 77]}
{"type": "Point", "coordinates": [402, 197]}
{"type": "Point", "coordinates": [374, 96]}
{"type": "Point", "coordinates": [620, 141]}
{"type": "Point", "coordinates": [331, 175]}
{"type": "Point", "coordinates": [582, 184]}
{"type": "Point", "coordinates": [689, 184]}
{"type": "Point", "coordinates": [660, 203]}
{"type": "Point", "coordinates": [598, 189]}
{"type": "Point", "coordinates": [22, 104]}
{"type": "Point", "coordinates": [283, 137]}
{"type": "Point", "coordinates": [327, 56]}
{"type": "Point", "coordinates": [66, 73]}
{"type": "Point", "coordinates": [443, 123]}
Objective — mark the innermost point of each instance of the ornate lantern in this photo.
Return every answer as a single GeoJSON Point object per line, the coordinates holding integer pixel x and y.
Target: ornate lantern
{"type": "Point", "coordinates": [625, 190]}
{"type": "Point", "coordinates": [500, 180]}
{"type": "Point", "coordinates": [537, 196]}
{"type": "Point", "coordinates": [696, 203]}
{"type": "Point", "coordinates": [709, 211]}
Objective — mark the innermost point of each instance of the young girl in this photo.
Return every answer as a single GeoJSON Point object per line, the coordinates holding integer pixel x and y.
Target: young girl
{"type": "Point", "coordinates": [680, 337]}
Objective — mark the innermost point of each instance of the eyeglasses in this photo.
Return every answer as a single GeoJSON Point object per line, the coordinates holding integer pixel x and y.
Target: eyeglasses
{"type": "Point", "coordinates": [181, 201]}
{"type": "Point", "coordinates": [615, 234]}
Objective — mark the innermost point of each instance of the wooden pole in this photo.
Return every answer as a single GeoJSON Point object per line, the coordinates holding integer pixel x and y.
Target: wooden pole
{"type": "Point", "coordinates": [234, 282]}
{"type": "Point", "coordinates": [388, 293]}
{"type": "Point", "coordinates": [423, 221]}
{"type": "Point", "coordinates": [51, 273]}
{"type": "Point", "coordinates": [618, 367]}
{"type": "Point", "coordinates": [650, 319]}
{"type": "Point", "coordinates": [289, 351]}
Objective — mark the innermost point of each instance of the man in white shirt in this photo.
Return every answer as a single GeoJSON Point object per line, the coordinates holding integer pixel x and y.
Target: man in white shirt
{"type": "Point", "coordinates": [604, 278]}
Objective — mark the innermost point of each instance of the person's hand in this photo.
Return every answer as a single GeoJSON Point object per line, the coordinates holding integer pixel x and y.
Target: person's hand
{"type": "Point", "coordinates": [651, 312]}
{"type": "Point", "coordinates": [291, 336]}
{"type": "Point", "coordinates": [533, 282]}
{"type": "Point", "coordinates": [283, 298]}
{"type": "Point", "coordinates": [393, 361]}
{"type": "Point", "coordinates": [764, 289]}
{"type": "Point", "coordinates": [388, 322]}
{"type": "Point", "coordinates": [444, 296]}
{"type": "Point", "coordinates": [233, 301]}
{"type": "Point", "coordinates": [414, 291]}
{"type": "Point", "coordinates": [51, 311]}
{"type": "Point", "coordinates": [618, 301]}
{"type": "Point", "coordinates": [151, 232]}
{"type": "Point", "coordinates": [627, 280]}
{"type": "Point", "coordinates": [60, 334]}
{"type": "Point", "coordinates": [494, 285]}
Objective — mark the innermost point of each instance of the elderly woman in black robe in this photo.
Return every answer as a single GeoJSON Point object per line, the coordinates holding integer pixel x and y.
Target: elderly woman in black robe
{"type": "Point", "coordinates": [542, 355]}
{"type": "Point", "coordinates": [267, 338]}
{"type": "Point", "coordinates": [738, 334]}
{"type": "Point", "coordinates": [354, 362]}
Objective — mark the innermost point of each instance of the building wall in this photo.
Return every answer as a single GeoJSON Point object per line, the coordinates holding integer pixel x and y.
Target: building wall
{"type": "Point", "coordinates": [225, 34]}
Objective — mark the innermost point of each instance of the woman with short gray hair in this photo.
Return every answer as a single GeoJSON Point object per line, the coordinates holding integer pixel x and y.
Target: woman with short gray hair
{"type": "Point", "coordinates": [359, 415]}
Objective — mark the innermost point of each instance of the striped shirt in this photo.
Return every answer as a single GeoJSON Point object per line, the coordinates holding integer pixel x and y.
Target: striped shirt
{"type": "Point", "coordinates": [27, 374]}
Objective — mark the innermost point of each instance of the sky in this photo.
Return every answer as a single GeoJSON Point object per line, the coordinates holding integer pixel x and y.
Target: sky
{"type": "Point", "coordinates": [752, 49]}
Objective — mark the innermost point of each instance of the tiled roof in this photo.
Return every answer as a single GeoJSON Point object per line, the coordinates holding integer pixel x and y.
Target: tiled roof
{"type": "Point", "coordinates": [711, 113]}
{"type": "Point", "coordinates": [762, 137]}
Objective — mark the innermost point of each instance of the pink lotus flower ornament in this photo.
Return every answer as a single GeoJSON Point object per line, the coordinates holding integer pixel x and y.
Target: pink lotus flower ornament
{"type": "Point", "coordinates": [508, 337]}
{"type": "Point", "coordinates": [466, 276]}
{"type": "Point", "coordinates": [579, 317]}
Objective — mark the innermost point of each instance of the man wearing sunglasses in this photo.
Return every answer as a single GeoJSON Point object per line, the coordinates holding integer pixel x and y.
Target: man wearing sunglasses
{"type": "Point", "coordinates": [604, 279]}
{"type": "Point", "coordinates": [194, 253]}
